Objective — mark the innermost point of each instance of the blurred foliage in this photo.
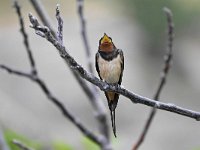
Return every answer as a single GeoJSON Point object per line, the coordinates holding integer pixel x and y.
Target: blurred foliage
{"type": "Point", "coordinates": [58, 145]}
{"type": "Point", "coordinates": [151, 18]}
{"type": "Point", "coordinates": [10, 135]}
{"type": "Point", "coordinates": [89, 145]}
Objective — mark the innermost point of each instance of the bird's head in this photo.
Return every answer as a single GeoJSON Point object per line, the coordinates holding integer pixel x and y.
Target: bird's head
{"type": "Point", "coordinates": [106, 44]}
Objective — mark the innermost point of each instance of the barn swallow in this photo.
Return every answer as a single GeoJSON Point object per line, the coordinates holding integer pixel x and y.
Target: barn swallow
{"type": "Point", "coordinates": [110, 66]}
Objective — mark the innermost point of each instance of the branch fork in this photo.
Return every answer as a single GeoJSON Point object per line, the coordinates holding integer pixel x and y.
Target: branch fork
{"type": "Point", "coordinates": [135, 98]}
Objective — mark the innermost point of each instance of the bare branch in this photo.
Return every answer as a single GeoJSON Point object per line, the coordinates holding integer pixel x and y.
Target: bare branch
{"type": "Point", "coordinates": [25, 36]}
{"type": "Point", "coordinates": [80, 7]}
{"type": "Point", "coordinates": [164, 73]}
{"type": "Point", "coordinates": [135, 98]}
{"type": "Point", "coordinates": [21, 145]}
{"type": "Point", "coordinates": [34, 77]}
{"type": "Point", "coordinates": [38, 6]}
{"type": "Point", "coordinates": [46, 21]}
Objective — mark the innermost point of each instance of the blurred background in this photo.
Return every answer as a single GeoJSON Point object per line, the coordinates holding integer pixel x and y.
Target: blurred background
{"type": "Point", "coordinates": [136, 26]}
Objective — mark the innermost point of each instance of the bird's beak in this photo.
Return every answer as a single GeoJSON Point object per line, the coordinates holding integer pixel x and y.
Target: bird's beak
{"type": "Point", "coordinates": [105, 39]}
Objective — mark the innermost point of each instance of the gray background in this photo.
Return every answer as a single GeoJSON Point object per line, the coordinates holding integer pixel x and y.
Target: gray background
{"type": "Point", "coordinates": [25, 109]}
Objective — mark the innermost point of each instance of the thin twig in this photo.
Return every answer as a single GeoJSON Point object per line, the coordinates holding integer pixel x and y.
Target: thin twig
{"type": "Point", "coordinates": [25, 36]}
{"type": "Point", "coordinates": [135, 98]}
{"type": "Point", "coordinates": [166, 68]}
{"type": "Point", "coordinates": [80, 7]}
{"type": "Point", "coordinates": [15, 72]}
{"type": "Point", "coordinates": [169, 55]}
{"type": "Point", "coordinates": [97, 101]}
{"type": "Point", "coordinates": [38, 6]}
{"type": "Point", "coordinates": [21, 145]}
{"type": "Point", "coordinates": [60, 25]}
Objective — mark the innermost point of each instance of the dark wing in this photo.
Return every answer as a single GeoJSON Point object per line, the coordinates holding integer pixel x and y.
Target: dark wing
{"type": "Point", "coordinates": [96, 64]}
{"type": "Point", "coordinates": [122, 65]}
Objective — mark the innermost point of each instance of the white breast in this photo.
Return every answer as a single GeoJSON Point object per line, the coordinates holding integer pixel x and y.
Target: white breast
{"type": "Point", "coordinates": [110, 71]}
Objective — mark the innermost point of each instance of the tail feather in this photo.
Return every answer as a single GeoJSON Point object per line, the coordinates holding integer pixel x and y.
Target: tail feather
{"type": "Point", "coordinates": [112, 103]}
{"type": "Point", "coordinates": [112, 114]}
{"type": "Point", "coordinates": [112, 107]}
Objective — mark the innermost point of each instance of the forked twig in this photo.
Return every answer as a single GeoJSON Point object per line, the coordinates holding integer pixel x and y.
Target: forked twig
{"type": "Point", "coordinates": [46, 21]}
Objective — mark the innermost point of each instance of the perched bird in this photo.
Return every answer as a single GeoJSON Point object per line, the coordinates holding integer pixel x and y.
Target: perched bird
{"type": "Point", "coordinates": [110, 66]}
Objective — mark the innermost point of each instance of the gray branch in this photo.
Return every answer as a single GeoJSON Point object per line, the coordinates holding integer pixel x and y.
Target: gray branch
{"type": "Point", "coordinates": [35, 78]}
{"type": "Point", "coordinates": [164, 73]}
{"type": "Point", "coordinates": [135, 98]}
